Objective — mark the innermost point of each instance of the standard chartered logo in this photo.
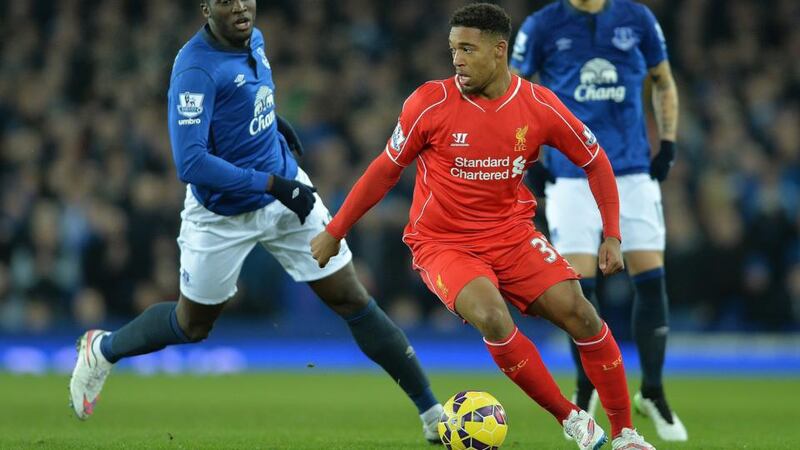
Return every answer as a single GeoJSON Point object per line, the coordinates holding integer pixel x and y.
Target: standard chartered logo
{"type": "Point", "coordinates": [265, 101]}
{"type": "Point", "coordinates": [519, 166]}
{"type": "Point", "coordinates": [473, 169]}
{"type": "Point", "coordinates": [599, 82]}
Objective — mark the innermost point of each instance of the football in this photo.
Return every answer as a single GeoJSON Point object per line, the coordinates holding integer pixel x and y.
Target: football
{"type": "Point", "coordinates": [473, 420]}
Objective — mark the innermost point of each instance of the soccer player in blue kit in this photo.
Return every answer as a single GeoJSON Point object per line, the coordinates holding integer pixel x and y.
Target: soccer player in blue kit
{"type": "Point", "coordinates": [595, 55]}
{"type": "Point", "coordinates": [244, 188]}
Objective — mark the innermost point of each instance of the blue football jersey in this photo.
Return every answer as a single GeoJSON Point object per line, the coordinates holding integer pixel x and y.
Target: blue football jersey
{"type": "Point", "coordinates": [221, 112]}
{"type": "Point", "coordinates": [596, 64]}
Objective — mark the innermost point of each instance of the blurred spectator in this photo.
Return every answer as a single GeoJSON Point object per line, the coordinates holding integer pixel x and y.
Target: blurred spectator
{"type": "Point", "coordinates": [89, 201]}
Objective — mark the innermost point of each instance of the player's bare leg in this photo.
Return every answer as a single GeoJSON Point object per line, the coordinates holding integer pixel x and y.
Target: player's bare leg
{"type": "Point", "coordinates": [650, 322]}
{"type": "Point", "coordinates": [160, 325]}
{"type": "Point", "coordinates": [381, 340]}
{"type": "Point", "coordinates": [585, 395]}
{"type": "Point", "coordinates": [481, 304]}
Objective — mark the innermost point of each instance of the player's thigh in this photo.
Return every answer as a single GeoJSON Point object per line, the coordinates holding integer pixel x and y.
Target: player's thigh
{"type": "Point", "coordinates": [584, 264]}
{"type": "Point", "coordinates": [573, 218]}
{"type": "Point", "coordinates": [529, 268]}
{"type": "Point", "coordinates": [289, 241]}
{"type": "Point", "coordinates": [643, 260]}
{"type": "Point", "coordinates": [213, 249]}
{"type": "Point", "coordinates": [641, 214]}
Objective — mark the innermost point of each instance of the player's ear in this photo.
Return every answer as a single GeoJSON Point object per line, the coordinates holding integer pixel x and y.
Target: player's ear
{"type": "Point", "coordinates": [501, 49]}
{"type": "Point", "coordinates": [204, 8]}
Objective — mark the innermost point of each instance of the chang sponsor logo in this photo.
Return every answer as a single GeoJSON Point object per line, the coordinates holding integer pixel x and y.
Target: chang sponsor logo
{"type": "Point", "coordinates": [599, 80]}
{"type": "Point", "coordinates": [263, 110]}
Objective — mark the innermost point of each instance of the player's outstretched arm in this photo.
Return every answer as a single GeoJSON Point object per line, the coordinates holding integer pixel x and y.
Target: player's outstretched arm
{"type": "Point", "coordinates": [665, 107]}
{"type": "Point", "coordinates": [571, 137]}
{"type": "Point", "coordinates": [604, 189]}
{"type": "Point", "coordinates": [373, 185]}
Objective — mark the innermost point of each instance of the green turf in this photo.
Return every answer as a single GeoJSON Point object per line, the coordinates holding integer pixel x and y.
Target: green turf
{"type": "Point", "coordinates": [352, 411]}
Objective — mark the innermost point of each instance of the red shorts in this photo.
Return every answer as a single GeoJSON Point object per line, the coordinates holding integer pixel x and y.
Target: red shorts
{"type": "Point", "coordinates": [521, 264]}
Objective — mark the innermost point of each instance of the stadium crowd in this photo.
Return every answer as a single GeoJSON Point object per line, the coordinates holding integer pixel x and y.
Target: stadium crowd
{"type": "Point", "coordinates": [89, 199]}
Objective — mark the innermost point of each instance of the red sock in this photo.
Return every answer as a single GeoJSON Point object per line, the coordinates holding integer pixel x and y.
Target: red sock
{"type": "Point", "coordinates": [518, 358]}
{"type": "Point", "coordinates": [602, 362]}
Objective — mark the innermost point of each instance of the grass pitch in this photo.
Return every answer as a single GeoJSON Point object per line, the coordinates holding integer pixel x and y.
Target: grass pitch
{"type": "Point", "coordinates": [314, 410]}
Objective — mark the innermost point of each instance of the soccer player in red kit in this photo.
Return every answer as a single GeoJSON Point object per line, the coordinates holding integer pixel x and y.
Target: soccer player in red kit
{"type": "Point", "coordinates": [470, 230]}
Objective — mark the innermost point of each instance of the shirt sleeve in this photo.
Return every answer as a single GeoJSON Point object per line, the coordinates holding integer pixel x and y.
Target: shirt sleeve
{"type": "Point", "coordinates": [409, 138]}
{"type": "Point", "coordinates": [190, 109]}
{"type": "Point", "coordinates": [653, 45]}
{"type": "Point", "coordinates": [563, 130]}
{"type": "Point", "coordinates": [379, 178]}
{"type": "Point", "coordinates": [525, 54]}
{"type": "Point", "coordinates": [410, 135]}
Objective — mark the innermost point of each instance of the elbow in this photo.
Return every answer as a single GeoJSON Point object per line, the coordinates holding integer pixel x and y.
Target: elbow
{"type": "Point", "coordinates": [184, 174]}
{"type": "Point", "coordinates": [185, 171]}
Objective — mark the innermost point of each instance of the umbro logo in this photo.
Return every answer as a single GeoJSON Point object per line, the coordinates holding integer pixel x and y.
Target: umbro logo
{"type": "Point", "coordinates": [239, 80]}
{"type": "Point", "coordinates": [563, 44]}
{"type": "Point", "coordinates": [459, 140]}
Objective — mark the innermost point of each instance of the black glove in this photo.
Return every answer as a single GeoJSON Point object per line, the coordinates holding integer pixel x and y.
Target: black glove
{"type": "Point", "coordinates": [660, 165]}
{"type": "Point", "coordinates": [295, 195]}
{"type": "Point", "coordinates": [538, 175]}
{"type": "Point", "coordinates": [286, 129]}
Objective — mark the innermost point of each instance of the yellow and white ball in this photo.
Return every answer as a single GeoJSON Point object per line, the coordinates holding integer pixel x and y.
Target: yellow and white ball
{"type": "Point", "coordinates": [473, 420]}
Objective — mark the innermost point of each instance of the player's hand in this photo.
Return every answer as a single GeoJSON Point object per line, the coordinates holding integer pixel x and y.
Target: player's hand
{"type": "Point", "coordinates": [610, 257]}
{"type": "Point", "coordinates": [323, 247]}
{"type": "Point", "coordinates": [539, 176]}
{"type": "Point", "coordinates": [664, 160]}
{"type": "Point", "coordinates": [294, 195]}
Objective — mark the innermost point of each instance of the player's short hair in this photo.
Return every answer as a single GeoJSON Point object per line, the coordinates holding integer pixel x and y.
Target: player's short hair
{"type": "Point", "coordinates": [485, 17]}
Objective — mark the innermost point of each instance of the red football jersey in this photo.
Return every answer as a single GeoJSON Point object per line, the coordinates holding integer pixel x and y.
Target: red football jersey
{"type": "Point", "coordinates": [472, 154]}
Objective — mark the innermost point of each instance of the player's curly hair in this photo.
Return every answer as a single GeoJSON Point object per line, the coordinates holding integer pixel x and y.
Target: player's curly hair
{"type": "Point", "coordinates": [485, 17]}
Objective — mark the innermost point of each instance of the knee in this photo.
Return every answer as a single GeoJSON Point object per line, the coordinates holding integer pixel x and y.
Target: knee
{"type": "Point", "coordinates": [348, 301]}
{"type": "Point", "coordinates": [582, 318]}
{"type": "Point", "coordinates": [197, 331]}
{"type": "Point", "coordinates": [494, 323]}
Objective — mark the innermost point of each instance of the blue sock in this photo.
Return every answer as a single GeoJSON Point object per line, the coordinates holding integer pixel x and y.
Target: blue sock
{"type": "Point", "coordinates": [386, 344]}
{"type": "Point", "coordinates": [650, 327]}
{"type": "Point", "coordinates": [154, 329]}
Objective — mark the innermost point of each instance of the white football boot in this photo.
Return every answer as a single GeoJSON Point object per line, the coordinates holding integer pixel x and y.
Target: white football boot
{"type": "Point", "coordinates": [594, 401]}
{"type": "Point", "coordinates": [91, 370]}
{"type": "Point", "coordinates": [669, 427]}
{"type": "Point", "coordinates": [582, 428]}
{"type": "Point", "coordinates": [430, 423]}
{"type": "Point", "coordinates": [629, 439]}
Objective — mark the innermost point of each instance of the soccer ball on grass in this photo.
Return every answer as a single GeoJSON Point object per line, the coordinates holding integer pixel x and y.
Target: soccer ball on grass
{"type": "Point", "coordinates": [473, 420]}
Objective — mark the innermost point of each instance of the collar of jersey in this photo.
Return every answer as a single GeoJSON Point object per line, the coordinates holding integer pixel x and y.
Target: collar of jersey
{"type": "Point", "coordinates": [493, 104]}
{"type": "Point", "coordinates": [574, 10]}
{"type": "Point", "coordinates": [217, 45]}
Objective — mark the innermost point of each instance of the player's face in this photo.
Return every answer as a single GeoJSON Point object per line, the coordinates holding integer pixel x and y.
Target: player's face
{"type": "Point", "coordinates": [476, 57]}
{"type": "Point", "coordinates": [231, 20]}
